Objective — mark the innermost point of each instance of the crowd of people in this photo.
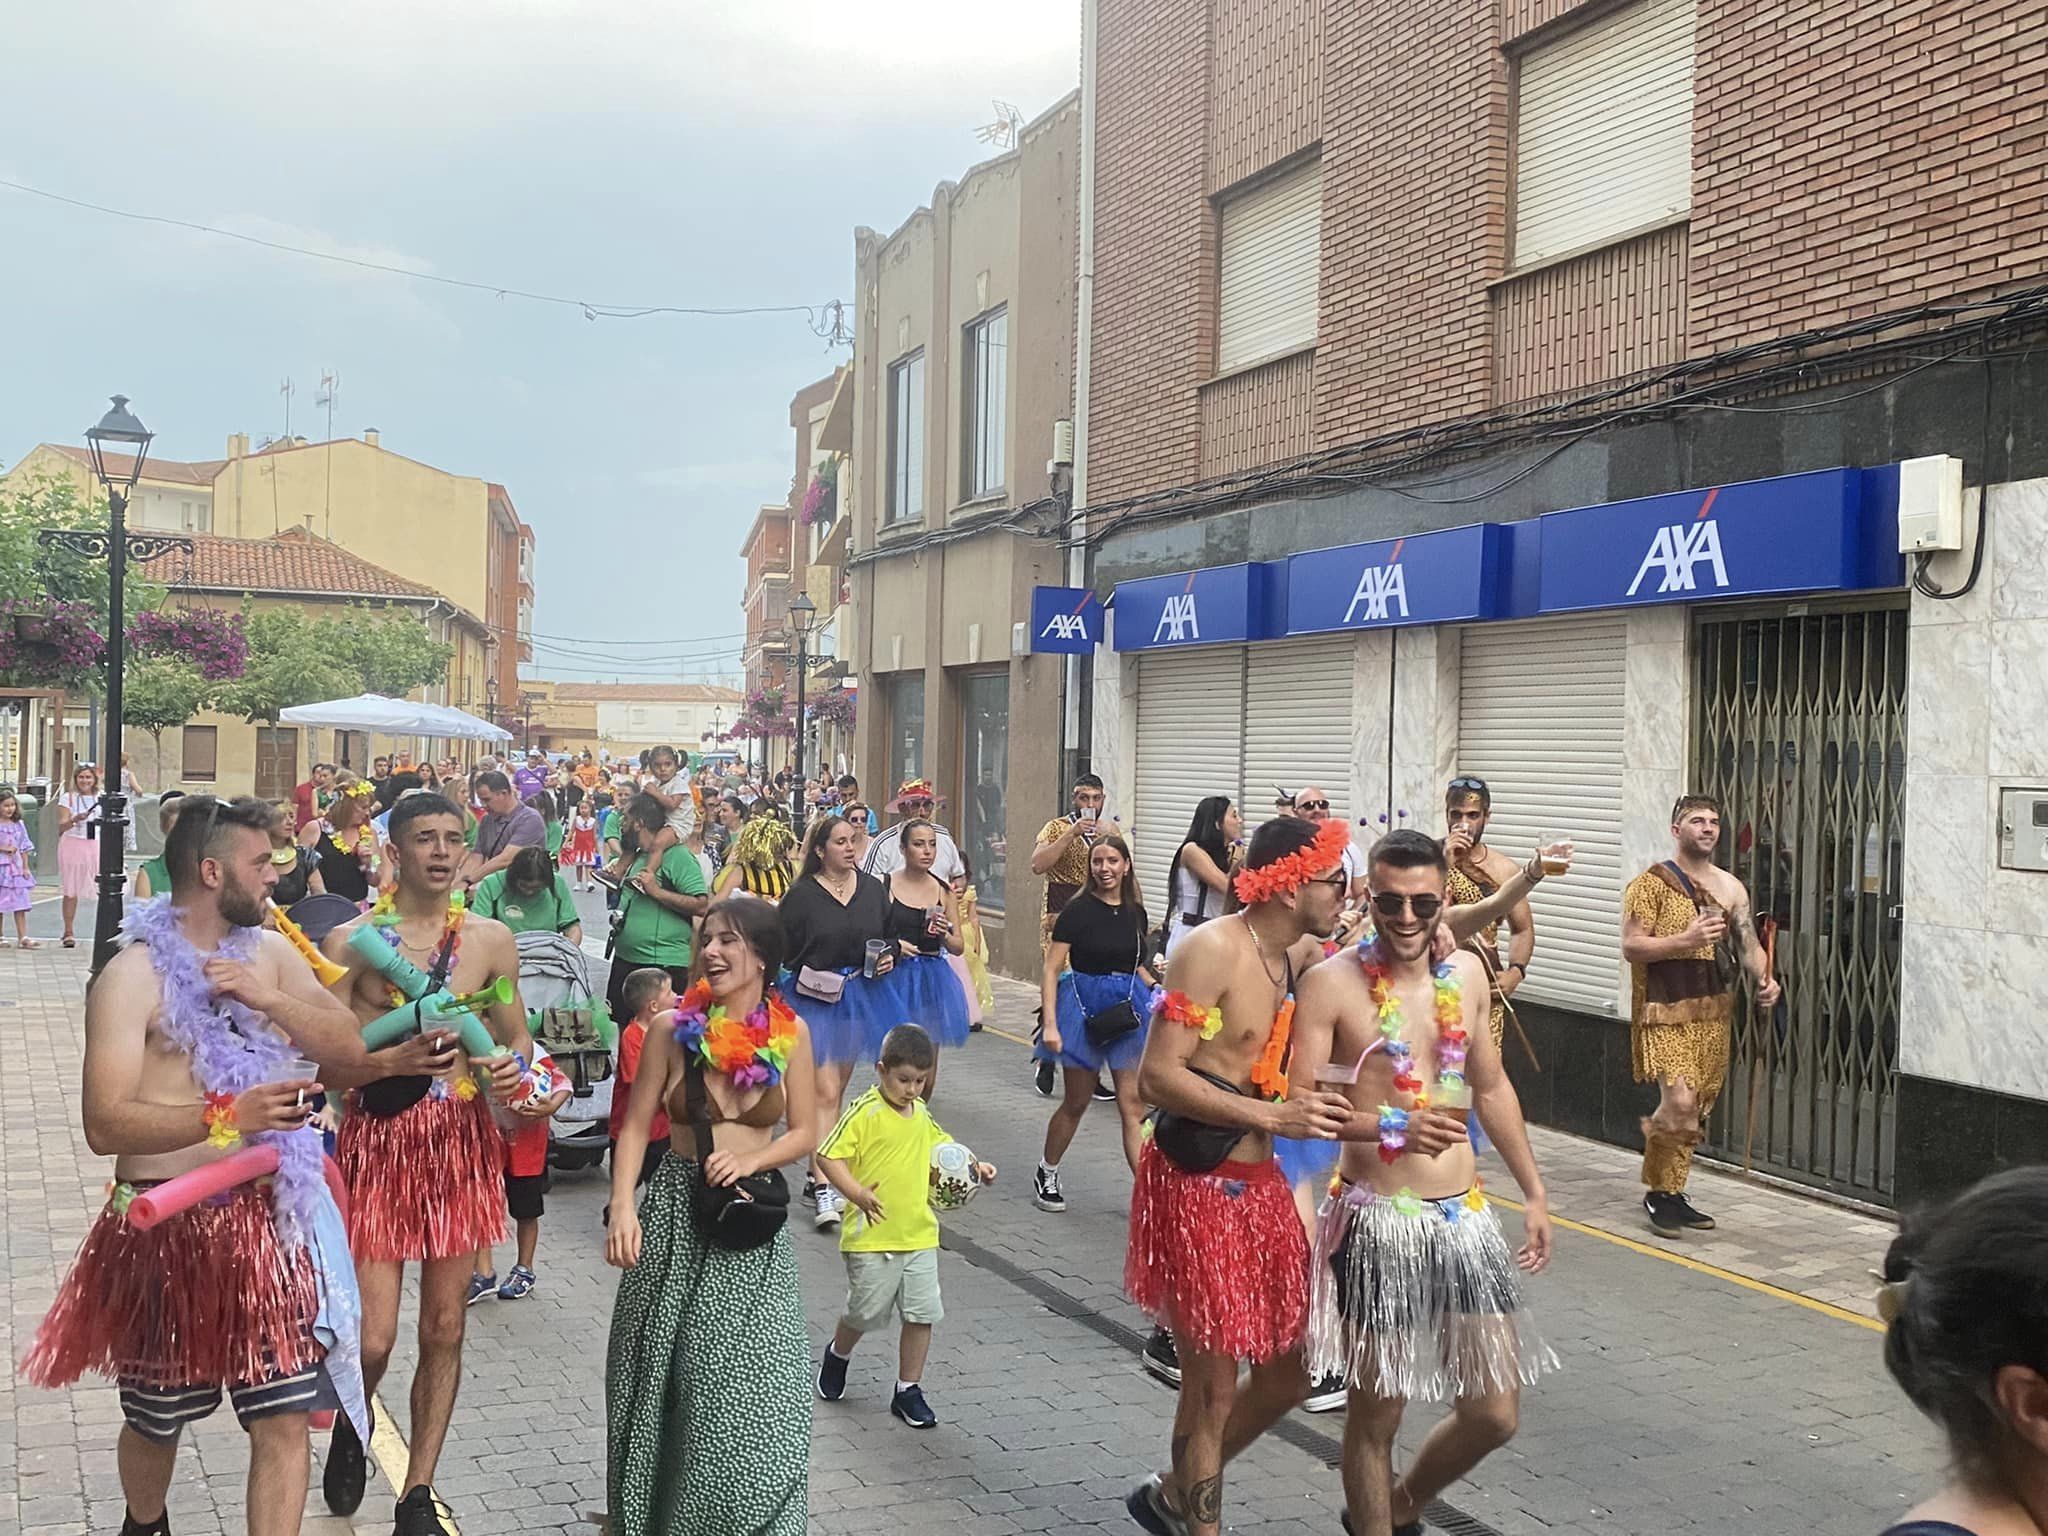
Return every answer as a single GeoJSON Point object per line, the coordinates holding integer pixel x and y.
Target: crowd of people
{"type": "Point", "coordinates": [1304, 1049]}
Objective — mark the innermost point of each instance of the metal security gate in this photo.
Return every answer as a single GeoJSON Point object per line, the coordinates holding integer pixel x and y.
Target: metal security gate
{"type": "Point", "coordinates": [1800, 731]}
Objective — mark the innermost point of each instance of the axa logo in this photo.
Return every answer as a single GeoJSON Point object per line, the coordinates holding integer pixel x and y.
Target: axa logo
{"type": "Point", "coordinates": [1177, 623]}
{"type": "Point", "coordinates": [1065, 626]}
{"type": "Point", "coordinates": [1382, 594]}
{"type": "Point", "coordinates": [1677, 553]}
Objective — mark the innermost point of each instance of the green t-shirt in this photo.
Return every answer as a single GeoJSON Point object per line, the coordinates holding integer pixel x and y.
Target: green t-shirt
{"type": "Point", "coordinates": [891, 1153]}
{"type": "Point", "coordinates": [159, 876]}
{"type": "Point", "coordinates": [548, 911]}
{"type": "Point", "coordinates": [650, 933]}
{"type": "Point", "coordinates": [558, 833]}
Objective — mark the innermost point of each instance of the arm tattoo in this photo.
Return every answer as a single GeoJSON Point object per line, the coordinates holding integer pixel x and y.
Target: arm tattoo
{"type": "Point", "coordinates": [1752, 947]}
{"type": "Point", "coordinates": [1205, 1501]}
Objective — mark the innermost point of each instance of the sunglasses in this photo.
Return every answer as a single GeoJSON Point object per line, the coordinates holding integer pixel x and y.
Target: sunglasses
{"type": "Point", "coordinates": [1312, 805]}
{"type": "Point", "coordinates": [1477, 786]}
{"type": "Point", "coordinates": [1393, 903]}
{"type": "Point", "coordinates": [1340, 880]}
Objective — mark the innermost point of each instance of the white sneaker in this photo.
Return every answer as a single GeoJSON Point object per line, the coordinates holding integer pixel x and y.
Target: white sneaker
{"type": "Point", "coordinates": [1045, 1190]}
{"type": "Point", "coordinates": [830, 1205]}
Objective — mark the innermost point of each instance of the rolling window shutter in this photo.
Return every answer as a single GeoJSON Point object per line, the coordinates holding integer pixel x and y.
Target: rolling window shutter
{"type": "Point", "coordinates": [1603, 130]}
{"type": "Point", "coordinates": [1540, 719]}
{"type": "Point", "coordinates": [1271, 242]}
{"type": "Point", "coordinates": [1191, 730]}
{"type": "Point", "coordinates": [1297, 724]}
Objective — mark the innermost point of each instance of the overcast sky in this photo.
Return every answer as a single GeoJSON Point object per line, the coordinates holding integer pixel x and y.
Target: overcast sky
{"type": "Point", "coordinates": [683, 154]}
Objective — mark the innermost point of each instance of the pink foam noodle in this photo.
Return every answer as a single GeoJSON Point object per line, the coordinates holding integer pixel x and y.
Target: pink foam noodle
{"type": "Point", "coordinates": [153, 1206]}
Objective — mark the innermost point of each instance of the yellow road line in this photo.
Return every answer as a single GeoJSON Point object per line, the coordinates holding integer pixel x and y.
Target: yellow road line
{"type": "Point", "coordinates": [394, 1457]}
{"type": "Point", "coordinates": [1761, 1287]}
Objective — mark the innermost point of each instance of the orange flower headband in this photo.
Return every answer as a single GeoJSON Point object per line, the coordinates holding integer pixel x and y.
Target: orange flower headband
{"type": "Point", "coordinates": [1298, 868]}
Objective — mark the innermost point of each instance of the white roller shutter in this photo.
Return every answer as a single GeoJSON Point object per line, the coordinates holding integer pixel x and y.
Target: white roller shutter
{"type": "Point", "coordinates": [1540, 719]}
{"type": "Point", "coordinates": [1603, 130]}
{"type": "Point", "coordinates": [1190, 745]}
{"type": "Point", "coordinates": [1297, 723]}
{"type": "Point", "coordinates": [1271, 242]}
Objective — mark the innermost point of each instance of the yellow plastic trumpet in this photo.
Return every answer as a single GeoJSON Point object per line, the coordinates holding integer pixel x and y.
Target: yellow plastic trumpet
{"type": "Point", "coordinates": [324, 969]}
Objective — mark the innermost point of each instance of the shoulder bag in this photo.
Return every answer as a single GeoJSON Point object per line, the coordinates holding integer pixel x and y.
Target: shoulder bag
{"type": "Point", "coordinates": [1195, 1146]}
{"type": "Point", "coordinates": [736, 1216]}
{"type": "Point", "coordinates": [1119, 1021]}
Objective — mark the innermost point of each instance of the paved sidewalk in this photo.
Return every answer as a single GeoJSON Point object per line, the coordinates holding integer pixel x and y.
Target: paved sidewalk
{"type": "Point", "coordinates": [1688, 1402]}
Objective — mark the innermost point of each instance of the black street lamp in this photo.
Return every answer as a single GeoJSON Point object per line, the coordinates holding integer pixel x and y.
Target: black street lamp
{"type": "Point", "coordinates": [491, 699]}
{"type": "Point", "coordinates": [803, 614]}
{"type": "Point", "coordinates": [526, 703]}
{"type": "Point", "coordinates": [120, 431]}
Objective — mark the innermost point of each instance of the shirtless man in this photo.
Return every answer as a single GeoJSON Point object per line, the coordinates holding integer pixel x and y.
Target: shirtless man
{"type": "Point", "coordinates": [423, 1160]}
{"type": "Point", "coordinates": [1477, 872]}
{"type": "Point", "coordinates": [193, 1035]}
{"type": "Point", "coordinates": [1217, 1253]}
{"type": "Point", "coordinates": [1414, 1292]}
{"type": "Point", "coordinates": [1676, 916]}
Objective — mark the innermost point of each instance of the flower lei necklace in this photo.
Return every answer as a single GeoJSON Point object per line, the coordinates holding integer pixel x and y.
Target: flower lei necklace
{"type": "Point", "coordinates": [384, 918]}
{"type": "Point", "coordinates": [1450, 1041]}
{"type": "Point", "coordinates": [752, 1052]}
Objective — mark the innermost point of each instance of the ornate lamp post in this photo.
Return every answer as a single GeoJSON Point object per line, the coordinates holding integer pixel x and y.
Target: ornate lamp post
{"type": "Point", "coordinates": [119, 431]}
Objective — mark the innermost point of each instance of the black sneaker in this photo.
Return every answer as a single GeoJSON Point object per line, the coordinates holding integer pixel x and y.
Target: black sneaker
{"type": "Point", "coordinates": [1326, 1396]}
{"type": "Point", "coordinates": [1147, 1506]}
{"type": "Point", "coordinates": [342, 1479]}
{"type": "Point", "coordinates": [909, 1405]}
{"type": "Point", "coordinates": [1042, 1079]}
{"type": "Point", "coordinates": [1697, 1221]}
{"type": "Point", "coordinates": [832, 1376]}
{"type": "Point", "coordinates": [1045, 1190]}
{"type": "Point", "coordinates": [160, 1526]}
{"type": "Point", "coordinates": [810, 1190]}
{"type": "Point", "coordinates": [1161, 1358]}
{"type": "Point", "coordinates": [1662, 1210]}
{"type": "Point", "coordinates": [1104, 1094]}
{"type": "Point", "coordinates": [419, 1514]}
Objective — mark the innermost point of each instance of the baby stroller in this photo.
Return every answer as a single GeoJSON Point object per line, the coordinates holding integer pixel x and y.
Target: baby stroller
{"type": "Point", "coordinates": [565, 1014]}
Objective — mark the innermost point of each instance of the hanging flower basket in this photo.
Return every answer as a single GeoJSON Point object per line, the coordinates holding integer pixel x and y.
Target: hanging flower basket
{"type": "Point", "coordinates": [48, 644]}
{"type": "Point", "coordinates": [216, 642]}
{"type": "Point", "coordinates": [32, 628]}
{"type": "Point", "coordinates": [821, 498]}
{"type": "Point", "coordinates": [836, 707]}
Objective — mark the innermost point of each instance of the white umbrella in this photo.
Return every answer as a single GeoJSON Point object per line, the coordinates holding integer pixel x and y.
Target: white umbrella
{"type": "Point", "coordinates": [394, 717]}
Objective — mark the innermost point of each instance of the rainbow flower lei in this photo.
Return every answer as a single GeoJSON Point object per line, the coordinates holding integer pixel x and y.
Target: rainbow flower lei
{"type": "Point", "coordinates": [384, 918]}
{"type": "Point", "coordinates": [752, 1052]}
{"type": "Point", "coordinates": [1179, 1008]}
{"type": "Point", "coordinates": [1450, 1041]}
{"type": "Point", "coordinates": [1297, 869]}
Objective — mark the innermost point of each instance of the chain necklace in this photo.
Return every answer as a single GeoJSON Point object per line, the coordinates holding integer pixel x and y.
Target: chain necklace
{"type": "Point", "coordinates": [1259, 950]}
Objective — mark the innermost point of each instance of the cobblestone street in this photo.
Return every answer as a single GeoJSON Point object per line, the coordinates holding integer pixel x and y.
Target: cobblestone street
{"type": "Point", "coordinates": [1732, 1382]}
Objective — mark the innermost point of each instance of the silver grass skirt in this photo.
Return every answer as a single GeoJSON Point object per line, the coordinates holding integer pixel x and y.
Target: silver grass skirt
{"type": "Point", "coordinates": [1418, 1299]}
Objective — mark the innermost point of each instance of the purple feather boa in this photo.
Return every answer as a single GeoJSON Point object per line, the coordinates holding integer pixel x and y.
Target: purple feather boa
{"type": "Point", "coordinates": [232, 1048]}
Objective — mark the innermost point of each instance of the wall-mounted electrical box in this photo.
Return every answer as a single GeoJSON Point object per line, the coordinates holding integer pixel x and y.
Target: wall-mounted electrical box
{"type": "Point", "coordinates": [2023, 829]}
{"type": "Point", "coordinates": [1930, 504]}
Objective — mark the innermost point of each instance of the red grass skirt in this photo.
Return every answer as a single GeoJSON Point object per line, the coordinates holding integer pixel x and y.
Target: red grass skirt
{"type": "Point", "coordinates": [1219, 1258]}
{"type": "Point", "coordinates": [208, 1298]}
{"type": "Point", "coordinates": [426, 1183]}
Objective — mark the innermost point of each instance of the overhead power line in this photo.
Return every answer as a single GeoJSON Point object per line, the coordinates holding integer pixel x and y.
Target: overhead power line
{"type": "Point", "coordinates": [827, 320]}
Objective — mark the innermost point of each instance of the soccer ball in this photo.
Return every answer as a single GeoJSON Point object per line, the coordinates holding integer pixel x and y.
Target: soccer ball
{"type": "Point", "coordinates": [954, 1180]}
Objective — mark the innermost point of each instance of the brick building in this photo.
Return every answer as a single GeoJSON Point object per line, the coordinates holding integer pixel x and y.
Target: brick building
{"type": "Point", "coordinates": [1467, 388]}
{"type": "Point", "coordinates": [767, 551]}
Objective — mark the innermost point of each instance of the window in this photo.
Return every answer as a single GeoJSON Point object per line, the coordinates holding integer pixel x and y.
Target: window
{"type": "Point", "coordinates": [904, 692]}
{"type": "Point", "coordinates": [1266, 287]}
{"type": "Point", "coordinates": [201, 753]}
{"type": "Point", "coordinates": [525, 561]}
{"type": "Point", "coordinates": [906, 439]}
{"type": "Point", "coordinates": [1603, 131]}
{"type": "Point", "coordinates": [984, 358]}
{"type": "Point", "coordinates": [525, 619]}
{"type": "Point", "coordinates": [985, 773]}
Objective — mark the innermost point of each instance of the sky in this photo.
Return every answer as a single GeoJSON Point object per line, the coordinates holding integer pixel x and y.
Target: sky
{"type": "Point", "coordinates": [646, 154]}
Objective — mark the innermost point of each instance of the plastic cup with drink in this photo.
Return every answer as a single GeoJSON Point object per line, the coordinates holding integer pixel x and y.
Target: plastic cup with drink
{"type": "Point", "coordinates": [871, 963]}
{"type": "Point", "coordinates": [1555, 855]}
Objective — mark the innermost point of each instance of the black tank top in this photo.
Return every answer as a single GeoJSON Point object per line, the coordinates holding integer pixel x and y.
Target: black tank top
{"type": "Point", "coordinates": [908, 924]}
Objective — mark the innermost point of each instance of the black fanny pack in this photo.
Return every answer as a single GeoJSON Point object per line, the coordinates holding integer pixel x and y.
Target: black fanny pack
{"type": "Point", "coordinates": [735, 1216]}
{"type": "Point", "coordinates": [1195, 1146]}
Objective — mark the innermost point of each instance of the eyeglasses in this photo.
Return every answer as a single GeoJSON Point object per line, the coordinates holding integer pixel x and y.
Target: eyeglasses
{"type": "Point", "coordinates": [1340, 880]}
{"type": "Point", "coordinates": [1312, 805]}
{"type": "Point", "coordinates": [1393, 903]}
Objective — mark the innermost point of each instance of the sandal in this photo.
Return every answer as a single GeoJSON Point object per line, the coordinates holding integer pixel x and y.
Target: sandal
{"type": "Point", "coordinates": [29, 944]}
{"type": "Point", "coordinates": [70, 942]}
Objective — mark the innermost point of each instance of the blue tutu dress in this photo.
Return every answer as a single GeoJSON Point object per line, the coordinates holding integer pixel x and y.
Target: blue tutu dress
{"type": "Point", "coordinates": [922, 990]}
{"type": "Point", "coordinates": [1080, 994]}
{"type": "Point", "coordinates": [1313, 1159]}
{"type": "Point", "coordinates": [849, 1031]}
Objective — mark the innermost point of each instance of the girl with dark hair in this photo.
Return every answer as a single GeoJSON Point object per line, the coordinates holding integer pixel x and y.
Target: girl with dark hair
{"type": "Point", "coordinates": [832, 915]}
{"type": "Point", "coordinates": [707, 1379]}
{"type": "Point", "coordinates": [924, 924]}
{"type": "Point", "coordinates": [1965, 1303]}
{"type": "Point", "coordinates": [1095, 975]}
{"type": "Point", "coordinates": [529, 895]}
{"type": "Point", "coordinates": [1198, 882]}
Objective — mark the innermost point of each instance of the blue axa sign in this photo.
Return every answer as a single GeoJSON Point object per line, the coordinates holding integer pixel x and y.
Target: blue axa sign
{"type": "Point", "coordinates": [1425, 578]}
{"type": "Point", "coordinates": [1216, 606]}
{"type": "Point", "coordinates": [1794, 533]}
{"type": "Point", "coordinates": [1066, 621]}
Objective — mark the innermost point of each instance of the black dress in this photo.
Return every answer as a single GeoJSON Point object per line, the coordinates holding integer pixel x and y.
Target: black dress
{"type": "Point", "coordinates": [340, 870]}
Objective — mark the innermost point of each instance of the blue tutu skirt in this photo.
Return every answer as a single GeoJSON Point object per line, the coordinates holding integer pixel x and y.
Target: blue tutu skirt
{"type": "Point", "coordinates": [1081, 994]}
{"type": "Point", "coordinates": [848, 1031]}
{"type": "Point", "coordinates": [1314, 1159]}
{"type": "Point", "coordinates": [924, 990]}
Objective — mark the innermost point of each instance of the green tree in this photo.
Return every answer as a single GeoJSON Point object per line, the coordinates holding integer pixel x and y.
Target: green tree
{"type": "Point", "coordinates": [293, 659]}
{"type": "Point", "coordinates": [159, 692]}
{"type": "Point", "coordinates": [28, 570]}
{"type": "Point", "coordinates": [394, 651]}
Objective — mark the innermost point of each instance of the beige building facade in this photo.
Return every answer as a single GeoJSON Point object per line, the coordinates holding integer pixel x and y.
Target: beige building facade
{"type": "Point", "coordinates": [963, 365]}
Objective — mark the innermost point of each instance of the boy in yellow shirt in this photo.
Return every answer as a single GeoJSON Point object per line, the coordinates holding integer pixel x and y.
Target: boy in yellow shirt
{"type": "Point", "coordinates": [879, 1157]}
